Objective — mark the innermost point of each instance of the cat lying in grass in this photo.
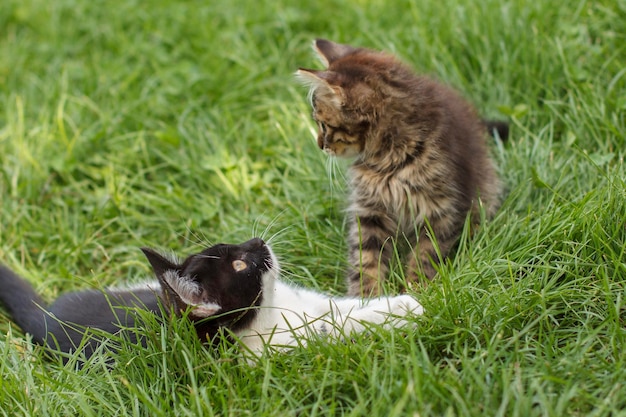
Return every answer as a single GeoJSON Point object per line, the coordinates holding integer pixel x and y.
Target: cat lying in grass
{"type": "Point", "coordinates": [224, 287]}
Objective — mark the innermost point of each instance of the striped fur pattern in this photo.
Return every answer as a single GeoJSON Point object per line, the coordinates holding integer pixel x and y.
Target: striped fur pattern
{"type": "Point", "coordinates": [421, 157]}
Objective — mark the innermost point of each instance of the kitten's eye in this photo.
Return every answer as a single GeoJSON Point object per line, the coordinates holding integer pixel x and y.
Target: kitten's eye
{"type": "Point", "coordinates": [239, 265]}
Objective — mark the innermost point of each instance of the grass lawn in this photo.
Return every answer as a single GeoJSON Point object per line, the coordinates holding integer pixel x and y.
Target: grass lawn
{"type": "Point", "coordinates": [179, 124]}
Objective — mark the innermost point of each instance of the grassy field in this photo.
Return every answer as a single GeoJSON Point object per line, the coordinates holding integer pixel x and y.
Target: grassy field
{"type": "Point", "coordinates": [179, 124]}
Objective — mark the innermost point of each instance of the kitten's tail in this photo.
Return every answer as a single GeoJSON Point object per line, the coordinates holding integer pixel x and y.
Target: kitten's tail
{"type": "Point", "coordinates": [497, 127]}
{"type": "Point", "coordinates": [24, 305]}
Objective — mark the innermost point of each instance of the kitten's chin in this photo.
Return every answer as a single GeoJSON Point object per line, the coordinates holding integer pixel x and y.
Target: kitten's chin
{"type": "Point", "coordinates": [344, 153]}
{"type": "Point", "coordinates": [206, 309]}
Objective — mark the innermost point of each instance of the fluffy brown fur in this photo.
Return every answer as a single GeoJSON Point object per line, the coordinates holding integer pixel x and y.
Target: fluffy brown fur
{"type": "Point", "coordinates": [421, 158]}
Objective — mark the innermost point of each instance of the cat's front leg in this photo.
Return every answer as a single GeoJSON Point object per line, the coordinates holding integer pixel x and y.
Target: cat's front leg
{"type": "Point", "coordinates": [390, 311]}
{"type": "Point", "coordinates": [370, 250]}
{"type": "Point", "coordinates": [429, 252]}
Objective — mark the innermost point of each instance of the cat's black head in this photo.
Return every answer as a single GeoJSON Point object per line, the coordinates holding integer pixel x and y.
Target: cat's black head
{"type": "Point", "coordinates": [223, 281]}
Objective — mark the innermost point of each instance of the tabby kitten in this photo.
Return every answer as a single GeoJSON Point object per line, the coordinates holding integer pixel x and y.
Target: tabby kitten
{"type": "Point", "coordinates": [421, 159]}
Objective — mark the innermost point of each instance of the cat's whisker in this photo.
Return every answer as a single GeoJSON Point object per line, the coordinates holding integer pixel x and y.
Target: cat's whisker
{"type": "Point", "coordinates": [270, 225]}
{"type": "Point", "coordinates": [287, 273]}
{"type": "Point", "coordinates": [289, 269]}
{"type": "Point", "coordinates": [266, 231]}
{"type": "Point", "coordinates": [330, 171]}
{"type": "Point", "coordinates": [336, 176]}
{"type": "Point", "coordinates": [275, 235]}
{"type": "Point", "coordinates": [199, 238]}
{"type": "Point", "coordinates": [255, 225]}
{"type": "Point", "coordinates": [207, 256]}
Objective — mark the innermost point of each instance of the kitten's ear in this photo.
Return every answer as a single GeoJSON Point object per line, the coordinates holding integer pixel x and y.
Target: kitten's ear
{"type": "Point", "coordinates": [313, 77]}
{"type": "Point", "coordinates": [329, 51]}
{"type": "Point", "coordinates": [179, 291]}
{"type": "Point", "coordinates": [159, 263]}
{"type": "Point", "coordinates": [323, 84]}
{"type": "Point", "coordinates": [186, 292]}
{"type": "Point", "coordinates": [166, 271]}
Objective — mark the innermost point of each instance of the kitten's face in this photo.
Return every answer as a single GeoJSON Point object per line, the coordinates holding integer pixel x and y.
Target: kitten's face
{"type": "Point", "coordinates": [344, 101]}
{"type": "Point", "coordinates": [335, 134]}
{"type": "Point", "coordinates": [220, 279]}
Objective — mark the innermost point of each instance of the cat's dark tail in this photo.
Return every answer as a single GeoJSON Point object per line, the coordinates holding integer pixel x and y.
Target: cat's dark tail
{"type": "Point", "coordinates": [497, 127]}
{"type": "Point", "coordinates": [24, 305]}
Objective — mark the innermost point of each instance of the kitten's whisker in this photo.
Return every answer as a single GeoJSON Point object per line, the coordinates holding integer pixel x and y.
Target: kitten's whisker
{"type": "Point", "coordinates": [255, 226]}
{"type": "Point", "coordinates": [286, 271]}
{"type": "Point", "coordinates": [199, 237]}
{"type": "Point", "coordinates": [183, 236]}
{"type": "Point", "coordinates": [336, 177]}
{"type": "Point", "coordinates": [271, 224]}
{"type": "Point", "coordinates": [277, 234]}
{"type": "Point", "coordinates": [330, 171]}
{"type": "Point", "coordinates": [207, 256]}
{"type": "Point", "coordinates": [342, 176]}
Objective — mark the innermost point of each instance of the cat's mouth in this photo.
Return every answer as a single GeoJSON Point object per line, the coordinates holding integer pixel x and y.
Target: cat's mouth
{"type": "Point", "coordinates": [329, 151]}
{"type": "Point", "coordinates": [342, 151]}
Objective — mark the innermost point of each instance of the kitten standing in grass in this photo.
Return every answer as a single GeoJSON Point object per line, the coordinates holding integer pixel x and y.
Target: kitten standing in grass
{"type": "Point", "coordinates": [224, 289]}
{"type": "Point", "coordinates": [421, 159]}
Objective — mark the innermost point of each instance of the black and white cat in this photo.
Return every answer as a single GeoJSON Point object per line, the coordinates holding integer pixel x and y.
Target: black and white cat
{"type": "Point", "coordinates": [224, 287]}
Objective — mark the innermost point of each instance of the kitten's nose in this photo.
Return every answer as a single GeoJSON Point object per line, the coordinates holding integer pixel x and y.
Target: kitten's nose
{"type": "Point", "coordinates": [321, 143]}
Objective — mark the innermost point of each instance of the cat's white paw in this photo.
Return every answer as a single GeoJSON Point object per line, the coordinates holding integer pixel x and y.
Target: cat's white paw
{"type": "Point", "coordinates": [402, 305]}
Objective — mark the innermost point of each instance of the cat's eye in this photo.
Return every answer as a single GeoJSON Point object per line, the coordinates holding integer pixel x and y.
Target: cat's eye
{"type": "Point", "coordinates": [239, 265]}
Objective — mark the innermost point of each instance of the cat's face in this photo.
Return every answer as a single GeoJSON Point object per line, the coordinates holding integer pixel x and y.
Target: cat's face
{"type": "Point", "coordinates": [346, 97]}
{"type": "Point", "coordinates": [335, 134]}
{"type": "Point", "coordinates": [218, 280]}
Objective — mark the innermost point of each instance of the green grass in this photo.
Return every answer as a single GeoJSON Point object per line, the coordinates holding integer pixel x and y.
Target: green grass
{"type": "Point", "coordinates": [179, 124]}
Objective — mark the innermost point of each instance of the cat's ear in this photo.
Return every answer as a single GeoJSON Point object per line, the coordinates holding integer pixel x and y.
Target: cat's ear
{"type": "Point", "coordinates": [166, 272]}
{"type": "Point", "coordinates": [323, 84]}
{"type": "Point", "coordinates": [179, 291]}
{"type": "Point", "coordinates": [159, 263]}
{"type": "Point", "coordinates": [186, 293]}
{"type": "Point", "coordinates": [329, 51]}
{"type": "Point", "coordinates": [169, 275]}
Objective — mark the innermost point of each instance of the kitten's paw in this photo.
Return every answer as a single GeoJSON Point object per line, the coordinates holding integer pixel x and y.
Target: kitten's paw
{"type": "Point", "coordinates": [402, 307]}
{"type": "Point", "coordinates": [405, 304]}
